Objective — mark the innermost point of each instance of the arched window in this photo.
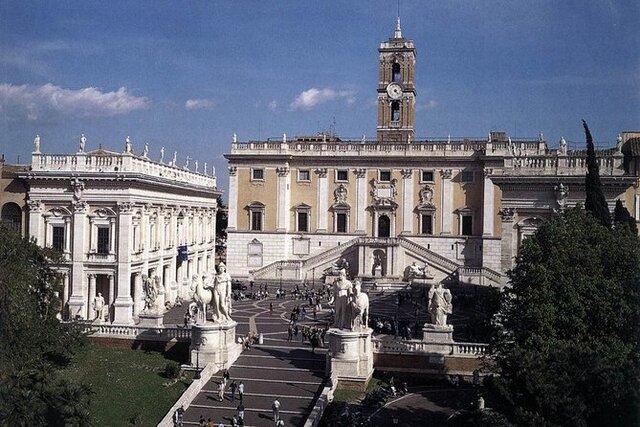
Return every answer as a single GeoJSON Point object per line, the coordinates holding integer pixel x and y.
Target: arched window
{"type": "Point", "coordinates": [395, 111]}
{"type": "Point", "coordinates": [384, 226]}
{"type": "Point", "coordinates": [395, 73]}
{"type": "Point", "coordinates": [12, 216]}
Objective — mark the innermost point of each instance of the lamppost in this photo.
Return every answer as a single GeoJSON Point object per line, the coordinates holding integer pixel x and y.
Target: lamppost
{"type": "Point", "coordinates": [313, 279]}
{"type": "Point", "coordinates": [280, 270]}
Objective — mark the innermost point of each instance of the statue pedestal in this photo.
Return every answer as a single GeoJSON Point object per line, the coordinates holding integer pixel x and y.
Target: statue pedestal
{"type": "Point", "coordinates": [377, 271]}
{"type": "Point", "coordinates": [350, 357]}
{"type": "Point", "coordinates": [214, 342]}
{"type": "Point", "coordinates": [423, 282]}
{"type": "Point", "coordinates": [152, 320]}
{"type": "Point", "coordinates": [438, 339]}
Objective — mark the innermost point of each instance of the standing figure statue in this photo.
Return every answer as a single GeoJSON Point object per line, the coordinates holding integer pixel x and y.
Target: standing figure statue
{"type": "Point", "coordinates": [161, 154]}
{"type": "Point", "coordinates": [127, 145]}
{"type": "Point", "coordinates": [83, 143]}
{"type": "Point", "coordinates": [98, 306]}
{"type": "Point", "coordinates": [150, 294]}
{"type": "Point", "coordinates": [342, 289]}
{"type": "Point", "coordinates": [145, 150]}
{"type": "Point", "coordinates": [174, 159]}
{"type": "Point", "coordinates": [359, 307]}
{"type": "Point", "coordinates": [36, 144]}
{"type": "Point", "coordinates": [222, 294]}
{"type": "Point", "coordinates": [439, 304]}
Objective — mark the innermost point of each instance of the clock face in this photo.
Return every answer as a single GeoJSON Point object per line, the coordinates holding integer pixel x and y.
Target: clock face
{"type": "Point", "coordinates": [394, 91]}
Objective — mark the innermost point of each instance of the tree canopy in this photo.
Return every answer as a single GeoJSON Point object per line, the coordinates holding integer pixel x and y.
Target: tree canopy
{"type": "Point", "coordinates": [34, 344]}
{"type": "Point", "coordinates": [566, 342]}
{"type": "Point", "coordinates": [595, 201]}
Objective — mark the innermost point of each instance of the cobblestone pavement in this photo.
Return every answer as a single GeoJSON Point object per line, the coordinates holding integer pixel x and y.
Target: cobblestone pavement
{"type": "Point", "coordinates": [277, 368]}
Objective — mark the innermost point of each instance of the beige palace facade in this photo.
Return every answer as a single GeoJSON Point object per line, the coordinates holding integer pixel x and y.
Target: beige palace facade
{"type": "Point", "coordinates": [460, 206]}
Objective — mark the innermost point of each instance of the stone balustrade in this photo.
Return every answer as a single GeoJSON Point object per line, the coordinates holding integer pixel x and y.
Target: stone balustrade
{"type": "Point", "coordinates": [396, 346]}
{"type": "Point", "coordinates": [164, 333]}
{"type": "Point", "coordinates": [120, 163]}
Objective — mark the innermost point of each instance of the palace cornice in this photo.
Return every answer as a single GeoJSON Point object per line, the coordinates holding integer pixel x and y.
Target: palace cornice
{"type": "Point", "coordinates": [520, 183]}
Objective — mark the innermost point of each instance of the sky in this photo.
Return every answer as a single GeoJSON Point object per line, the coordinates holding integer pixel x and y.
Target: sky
{"type": "Point", "coordinates": [187, 75]}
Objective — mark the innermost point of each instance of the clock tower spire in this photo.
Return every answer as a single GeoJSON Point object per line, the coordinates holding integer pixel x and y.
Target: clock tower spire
{"type": "Point", "coordinates": [396, 89]}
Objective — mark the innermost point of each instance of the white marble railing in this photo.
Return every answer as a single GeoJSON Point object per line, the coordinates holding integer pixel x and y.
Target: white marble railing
{"type": "Point", "coordinates": [396, 346]}
{"type": "Point", "coordinates": [86, 162]}
{"type": "Point", "coordinates": [163, 333]}
{"type": "Point", "coordinates": [431, 256]}
{"type": "Point", "coordinates": [96, 257]}
{"type": "Point", "coordinates": [480, 271]}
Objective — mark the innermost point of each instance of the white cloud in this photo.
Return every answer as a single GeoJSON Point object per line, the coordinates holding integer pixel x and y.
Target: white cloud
{"type": "Point", "coordinates": [311, 97]}
{"type": "Point", "coordinates": [199, 104]}
{"type": "Point", "coordinates": [34, 102]}
{"type": "Point", "coordinates": [429, 105]}
{"type": "Point", "coordinates": [273, 105]}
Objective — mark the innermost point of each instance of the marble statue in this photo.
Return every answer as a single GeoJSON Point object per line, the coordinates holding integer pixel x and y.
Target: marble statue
{"type": "Point", "coordinates": [195, 166]}
{"type": "Point", "coordinates": [337, 266]}
{"type": "Point", "coordinates": [83, 143]}
{"type": "Point", "coordinates": [174, 160]}
{"type": "Point", "coordinates": [222, 294]}
{"type": "Point", "coordinates": [342, 289]}
{"type": "Point", "coordinates": [426, 272]}
{"type": "Point", "coordinates": [284, 137]}
{"type": "Point", "coordinates": [235, 138]}
{"type": "Point", "coordinates": [204, 167]}
{"type": "Point", "coordinates": [359, 307]}
{"type": "Point", "coordinates": [186, 162]}
{"type": "Point", "coordinates": [619, 144]}
{"type": "Point", "coordinates": [36, 144]}
{"type": "Point", "coordinates": [127, 145]}
{"type": "Point", "coordinates": [145, 150]}
{"type": "Point", "coordinates": [562, 147]}
{"type": "Point", "coordinates": [98, 306]}
{"type": "Point", "coordinates": [415, 271]}
{"type": "Point", "coordinates": [439, 304]}
{"type": "Point", "coordinates": [150, 294]}
{"type": "Point", "coordinates": [202, 295]}
{"type": "Point", "coordinates": [161, 154]}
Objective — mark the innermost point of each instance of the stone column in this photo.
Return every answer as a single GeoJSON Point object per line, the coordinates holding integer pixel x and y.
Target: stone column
{"type": "Point", "coordinates": [361, 200]}
{"type": "Point", "coordinates": [283, 200]}
{"type": "Point", "coordinates": [447, 201]}
{"type": "Point", "coordinates": [77, 302]}
{"type": "Point", "coordinates": [67, 235]}
{"type": "Point", "coordinates": [35, 220]}
{"type": "Point", "coordinates": [487, 204]}
{"type": "Point", "coordinates": [233, 198]}
{"type": "Point", "coordinates": [323, 199]}
{"type": "Point", "coordinates": [112, 235]}
{"type": "Point", "coordinates": [93, 232]}
{"type": "Point", "coordinates": [507, 246]}
{"type": "Point", "coordinates": [407, 201]}
{"type": "Point", "coordinates": [65, 295]}
{"type": "Point", "coordinates": [137, 293]}
{"type": "Point", "coordinates": [92, 293]}
{"type": "Point", "coordinates": [123, 302]}
{"type": "Point", "coordinates": [112, 295]}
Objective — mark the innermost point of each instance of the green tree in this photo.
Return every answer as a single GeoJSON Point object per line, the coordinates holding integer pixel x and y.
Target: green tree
{"type": "Point", "coordinates": [595, 202]}
{"type": "Point", "coordinates": [566, 343]}
{"type": "Point", "coordinates": [621, 216]}
{"type": "Point", "coordinates": [34, 344]}
{"type": "Point", "coordinates": [222, 220]}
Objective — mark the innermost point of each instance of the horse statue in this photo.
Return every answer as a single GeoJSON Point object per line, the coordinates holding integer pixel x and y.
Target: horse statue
{"type": "Point", "coordinates": [359, 307]}
{"type": "Point", "coordinates": [202, 297]}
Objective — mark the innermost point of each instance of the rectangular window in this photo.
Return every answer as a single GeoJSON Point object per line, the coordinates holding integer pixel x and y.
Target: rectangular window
{"type": "Point", "coordinates": [257, 174]}
{"type": "Point", "coordinates": [466, 176]}
{"type": "Point", "coordinates": [304, 175]}
{"type": "Point", "coordinates": [256, 221]}
{"type": "Point", "coordinates": [341, 222]}
{"type": "Point", "coordinates": [426, 224]}
{"type": "Point", "coordinates": [342, 175]}
{"type": "Point", "coordinates": [103, 240]}
{"type": "Point", "coordinates": [426, 176]}
{"type": "Point", "coordinates": [385, 176]}
{"type": "Point", "coordinates": [303, 221]}
{"type": "Point", "coordinates": [58, 238]}
{"type": "Point", "coordinates": [467, 225]}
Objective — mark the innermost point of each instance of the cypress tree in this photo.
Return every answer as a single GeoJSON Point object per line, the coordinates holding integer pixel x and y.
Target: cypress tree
{"type": "Point", "coordinates": [622, 216]}
{"type": "Point", "coordinates": [595, 202]}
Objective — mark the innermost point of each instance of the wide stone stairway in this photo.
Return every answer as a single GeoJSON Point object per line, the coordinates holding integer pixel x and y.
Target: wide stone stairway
{"type": "Point", "coordinates": [278, 368]}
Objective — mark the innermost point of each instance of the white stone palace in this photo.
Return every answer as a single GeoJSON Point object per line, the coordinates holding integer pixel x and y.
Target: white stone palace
{"type": "Point", "coordinates": [119, 218]}
{"type": "Point", "coordinates": [459, 206]}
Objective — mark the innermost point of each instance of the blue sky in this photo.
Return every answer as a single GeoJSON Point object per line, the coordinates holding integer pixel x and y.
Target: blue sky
{"type": "Point", "coordinates": [186, 75]}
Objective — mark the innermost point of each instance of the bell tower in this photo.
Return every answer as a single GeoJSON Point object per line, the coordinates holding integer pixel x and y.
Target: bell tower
{"type": "Point", "coordinates": [396, 89]}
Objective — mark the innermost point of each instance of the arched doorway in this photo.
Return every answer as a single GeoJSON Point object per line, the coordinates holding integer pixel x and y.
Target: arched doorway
{"type": "Point", "coordinates": [384, 226]}
{"type": "Point", "coordinates": [12, 216]}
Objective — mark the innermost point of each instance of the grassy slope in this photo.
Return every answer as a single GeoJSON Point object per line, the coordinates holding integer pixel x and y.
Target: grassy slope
{"type": "Point", "coordinates": [126, 383]}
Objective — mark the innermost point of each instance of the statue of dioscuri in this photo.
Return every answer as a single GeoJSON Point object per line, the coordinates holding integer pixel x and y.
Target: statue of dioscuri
{"type": "Point", "coordinates": [439, 304]}
{"type": "Point", "coordinates": [359, 307]}
{"type": "Point", "coordinates": [202, 296]}
{"type": "Point", "coordinates": [222, 294]}
{"type": "Point", "coordinates": [342, 290]}
{"type": "Point", "coordinates": [150, 294]}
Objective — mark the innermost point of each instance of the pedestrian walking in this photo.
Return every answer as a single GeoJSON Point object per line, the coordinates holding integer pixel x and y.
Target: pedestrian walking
{"type": "Point", "coordinates": [178, 417]}
{"type": "Point", "coordinates": [233, 387]}
{"type": "Point", "coordinates": [270, 308]}
{"type": "Point", "coordinates": [241, 413]}
{"type": "Point", "coordinates": [280, 423]}
{"type": "Point", "coordinates": [275, 407]}
{"type": "Point", "coordinates": [290, 332]}
{"type": "Point", "coordinates": [241, 390]}
{"type": "Point", "coordinates": [202, 422]}
{"type": "Point", "coordinates": [221, 391]}
{"type": "Point", "coordinates": [226, 375]}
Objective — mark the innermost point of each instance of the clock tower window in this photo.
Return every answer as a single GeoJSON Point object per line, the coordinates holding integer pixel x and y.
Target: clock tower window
{"type": "Point", "coordinates": [395, 111]}
{"type": "Point", "coordinates": [395, 73]}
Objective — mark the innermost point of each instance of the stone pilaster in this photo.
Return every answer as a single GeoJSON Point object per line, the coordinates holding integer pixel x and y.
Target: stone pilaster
{"type": "Point", "coordinates": [488, 205]}
{"type": "Point", "coordinates": [233, 198]}
{"type": "Point", "coordinates": [284, 199]}
{"type": "Point", "coordinates": [447, 202]}
{"type": "Point", "coordinates": [323, 199]}
{"type": "Point", "coordinates": [77, 302]}
{"type": "Point", "coordinates": [361, 200]}
{"type": "Point", "coordinates": [35, 220]}
{"type": "Point", "coordinates": [123, 302]}
{"type": "Point", "coordinates": [507, 238]}
{"type": "Point", "coordinates": [407, 201]}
